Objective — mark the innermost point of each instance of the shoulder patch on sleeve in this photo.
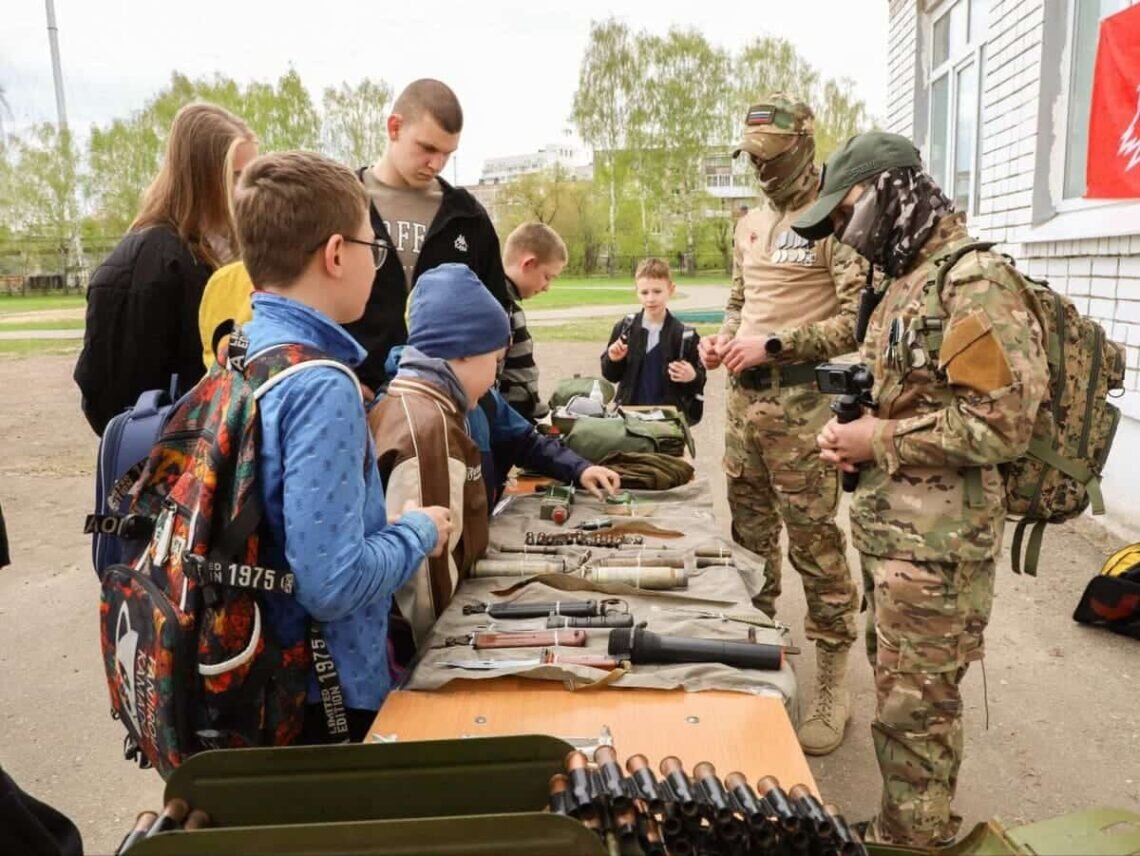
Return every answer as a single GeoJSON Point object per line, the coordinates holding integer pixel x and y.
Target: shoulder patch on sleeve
{"type": "Point", "coordinates": [972, 356]}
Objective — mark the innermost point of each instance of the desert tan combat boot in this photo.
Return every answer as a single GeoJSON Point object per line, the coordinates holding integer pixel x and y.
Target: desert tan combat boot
{"type": "Point", "coordinates": [821, 730]}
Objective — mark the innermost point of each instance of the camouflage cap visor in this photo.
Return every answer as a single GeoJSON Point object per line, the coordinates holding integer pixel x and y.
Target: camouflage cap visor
{"type": "Point", "coordinates": [764, 145]}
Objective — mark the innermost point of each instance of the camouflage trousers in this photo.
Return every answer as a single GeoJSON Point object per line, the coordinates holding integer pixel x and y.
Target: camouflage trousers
{"type": "Point", "coordinates": [775, 475]}
{"type": "Point", "coordinates": [924, 627]}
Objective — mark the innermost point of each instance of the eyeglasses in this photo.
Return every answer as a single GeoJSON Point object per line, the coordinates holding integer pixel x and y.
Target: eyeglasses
{"type": "Point", "coordinates": [379, 249]}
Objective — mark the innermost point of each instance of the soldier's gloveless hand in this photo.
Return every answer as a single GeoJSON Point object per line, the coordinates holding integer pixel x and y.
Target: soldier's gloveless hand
{"type": "Point", "coordinates": [845, 446]}
{"type": "Point", "coordinates": [744, 352]}
{"type": "Point", "coordinates": [710, 348]}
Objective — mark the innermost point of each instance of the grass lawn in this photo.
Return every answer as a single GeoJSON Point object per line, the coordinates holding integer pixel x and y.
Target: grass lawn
{"type": "Point", "coordinates": [590, 330]}
{"type": "Point", "coordinates": [10, 305]}
{"type": "Point", "coordinates": [563, 296]}
{"type": "Point", "coordinates": [627, 282]}
{"type": "Point", "coordinates": [64, 324]}
{"type": "Point", "coordinates": [29, 347]}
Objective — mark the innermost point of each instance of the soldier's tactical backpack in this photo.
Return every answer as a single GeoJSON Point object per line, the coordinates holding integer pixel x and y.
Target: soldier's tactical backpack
{"type": "Point", "coordinates": [1059, 476]}
{"type": "Point", "coordinates": [190, 661]}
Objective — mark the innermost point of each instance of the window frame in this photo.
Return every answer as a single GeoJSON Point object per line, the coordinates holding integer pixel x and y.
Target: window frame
{"type": "Point", "coordinates": [972, 52]}
{"type": "Point", "coordinates": [1064, 202]}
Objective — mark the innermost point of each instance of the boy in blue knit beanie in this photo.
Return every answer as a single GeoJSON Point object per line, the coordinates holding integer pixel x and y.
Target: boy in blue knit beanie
{"type": "Point", "coordinates": [458, 334]}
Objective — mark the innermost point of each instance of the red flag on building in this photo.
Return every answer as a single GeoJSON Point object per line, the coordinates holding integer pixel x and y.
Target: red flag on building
{"type": "Point", "coordinates": [1114, 121]}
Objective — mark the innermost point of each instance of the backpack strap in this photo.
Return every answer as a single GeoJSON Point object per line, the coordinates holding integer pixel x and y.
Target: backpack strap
{"type": "Point", "coordinates": [931, 324]}
{"type": "Point", "coordinates": [263, 371]}
{"type": "Point", "coordinates": [1028, 559]}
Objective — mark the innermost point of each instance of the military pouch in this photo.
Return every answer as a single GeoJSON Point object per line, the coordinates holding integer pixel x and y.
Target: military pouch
{"type": "Point", "coordinates": [595, 437]}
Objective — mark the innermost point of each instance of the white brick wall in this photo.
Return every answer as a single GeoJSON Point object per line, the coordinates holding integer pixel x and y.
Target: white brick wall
{"type": "Point", "coordinates": [901, 46]}
{"type": "Point", "coordinates": [1009, 117]}
{"type": "Point", "coordinates": [1100, 275]}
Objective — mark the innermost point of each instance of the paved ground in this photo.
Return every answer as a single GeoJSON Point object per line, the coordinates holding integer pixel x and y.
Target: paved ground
{"type": "Point", "coordinates": [1063, 730]}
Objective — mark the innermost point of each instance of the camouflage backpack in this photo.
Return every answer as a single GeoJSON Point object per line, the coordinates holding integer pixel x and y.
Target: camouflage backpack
{"type": "Point", "coordinates": [1059, 476]}
{"type": "Point", "coordinates": [189, 663]}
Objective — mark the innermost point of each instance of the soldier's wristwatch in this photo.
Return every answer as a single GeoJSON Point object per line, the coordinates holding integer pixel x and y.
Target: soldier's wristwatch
{"type": "Point", "coordinates": [773, 345]}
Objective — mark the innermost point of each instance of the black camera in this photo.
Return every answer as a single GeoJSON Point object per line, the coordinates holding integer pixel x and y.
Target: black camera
{"type": "Point", "coordinates": [844, 379]}
{"type": "Point", "coordinates": [851, 383]}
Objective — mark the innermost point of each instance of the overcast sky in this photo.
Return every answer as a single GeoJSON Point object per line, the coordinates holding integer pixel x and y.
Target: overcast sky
{"type": "Point", "coordinates": [513, 63]}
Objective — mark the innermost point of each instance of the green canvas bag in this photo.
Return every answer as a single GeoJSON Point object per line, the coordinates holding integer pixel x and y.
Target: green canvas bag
{"type": "Point", "coordinates": [594, 437]}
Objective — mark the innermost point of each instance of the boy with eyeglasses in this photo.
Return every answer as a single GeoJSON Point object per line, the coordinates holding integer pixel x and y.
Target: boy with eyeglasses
{"type": "Point", "coordinates": [303, 225]}
{"type": "Point", "coordinates": [226, 301]}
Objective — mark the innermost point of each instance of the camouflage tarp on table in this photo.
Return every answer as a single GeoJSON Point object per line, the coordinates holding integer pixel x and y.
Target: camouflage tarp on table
{"type": "Point", "coordinates": [686, 509]}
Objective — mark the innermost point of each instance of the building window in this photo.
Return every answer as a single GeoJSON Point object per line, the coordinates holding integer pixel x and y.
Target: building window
{"type": "Point", "coordinates": [957, 37]}
{"type": "Point", "coordinates": [1084, 28]}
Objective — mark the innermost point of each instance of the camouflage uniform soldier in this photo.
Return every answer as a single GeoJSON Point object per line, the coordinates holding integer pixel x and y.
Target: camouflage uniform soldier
{"type": "Point", "coordinates": [792, 305]}
{"type": "Point", "coordinates": [959, 374]}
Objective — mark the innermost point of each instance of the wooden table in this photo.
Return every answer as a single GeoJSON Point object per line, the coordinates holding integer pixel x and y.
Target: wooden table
{"type": "Point", "coordinates": [734, 731]}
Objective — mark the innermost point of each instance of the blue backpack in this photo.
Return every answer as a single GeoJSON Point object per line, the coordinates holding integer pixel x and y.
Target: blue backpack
{"type": "Point", "coordinates": [123, 452]}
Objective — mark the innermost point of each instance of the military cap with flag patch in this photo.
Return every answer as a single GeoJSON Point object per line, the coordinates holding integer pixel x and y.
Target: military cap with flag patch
{"type": "Point", "coordinates": [862, 157]}
{"type": "Point", "coordinates": [769, 125]}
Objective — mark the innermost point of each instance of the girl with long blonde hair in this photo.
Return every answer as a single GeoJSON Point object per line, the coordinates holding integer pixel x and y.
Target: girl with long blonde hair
{"type": "Point", "coordinates": [142, 302]}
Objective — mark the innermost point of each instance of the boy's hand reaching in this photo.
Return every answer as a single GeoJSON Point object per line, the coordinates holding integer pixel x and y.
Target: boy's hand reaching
{"type": "Point", "coordinates": [439, 515]}
{"type": "Point", "coordinates": [600, 481]}
{"type": "Point", "coordinates": [682, 371]}
{"type": "Point", "coordinates": [617, 350]}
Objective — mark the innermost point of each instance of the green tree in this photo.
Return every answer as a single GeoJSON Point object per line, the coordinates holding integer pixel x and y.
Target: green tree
{"type": "Point", "coordinates": [765, 65]}
{"type": "Point", "coordinates": [537, 196]}
{"type": "Point", "coordinates": [607, 80]}
{"type": "Point", "coordinates": [282, 114]}
{"type": "Point", "coordinates": [354, 127]}
{"type": "Point", "coordinates": [768, 65]}
{"type": "Point", "coordinates": [686, 85]}
{"type": "Point", "coordinates": [42, 196]}
{"type": "Point", "coordinates": [839, 115]}
{"type": "Point", "coordinates": [125, 156]}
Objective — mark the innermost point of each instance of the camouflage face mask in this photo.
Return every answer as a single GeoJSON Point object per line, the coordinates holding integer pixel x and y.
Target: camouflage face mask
{"type": "Point", "coordinates": [779, 176]}
{"type": "Point", "coordinates": [893, 218]}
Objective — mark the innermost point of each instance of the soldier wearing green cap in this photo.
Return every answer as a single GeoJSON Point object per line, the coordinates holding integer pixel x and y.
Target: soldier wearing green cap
{"type": "Point", "coordinates": [959, 371]}
{"type": "Point", "coordinates": [792, 305]}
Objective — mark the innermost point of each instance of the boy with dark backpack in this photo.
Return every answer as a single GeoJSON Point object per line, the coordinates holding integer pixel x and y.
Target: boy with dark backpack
{"type": "Point", "coordinates": [651, 355]}
{"type": "Point", "coordinates": [257, 612]}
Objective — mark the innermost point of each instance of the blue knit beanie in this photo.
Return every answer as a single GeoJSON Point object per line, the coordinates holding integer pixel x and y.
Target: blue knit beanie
{"type": "Point", "coordinates": [452, 314]}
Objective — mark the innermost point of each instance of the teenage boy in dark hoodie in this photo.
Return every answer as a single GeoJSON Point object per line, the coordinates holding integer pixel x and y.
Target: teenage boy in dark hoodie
{"type": "Point", "coordinates": [423, 219]}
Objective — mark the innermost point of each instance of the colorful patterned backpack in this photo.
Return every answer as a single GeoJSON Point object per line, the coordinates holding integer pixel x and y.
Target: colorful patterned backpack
{"type": "Point", "coordinates": [190, 663]}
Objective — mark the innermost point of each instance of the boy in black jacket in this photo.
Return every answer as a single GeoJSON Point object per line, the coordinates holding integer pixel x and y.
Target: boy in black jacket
{"type": "Point", "coordinates": [424, 220]}
{"type": "Point", "coordinates": [653, 356]}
